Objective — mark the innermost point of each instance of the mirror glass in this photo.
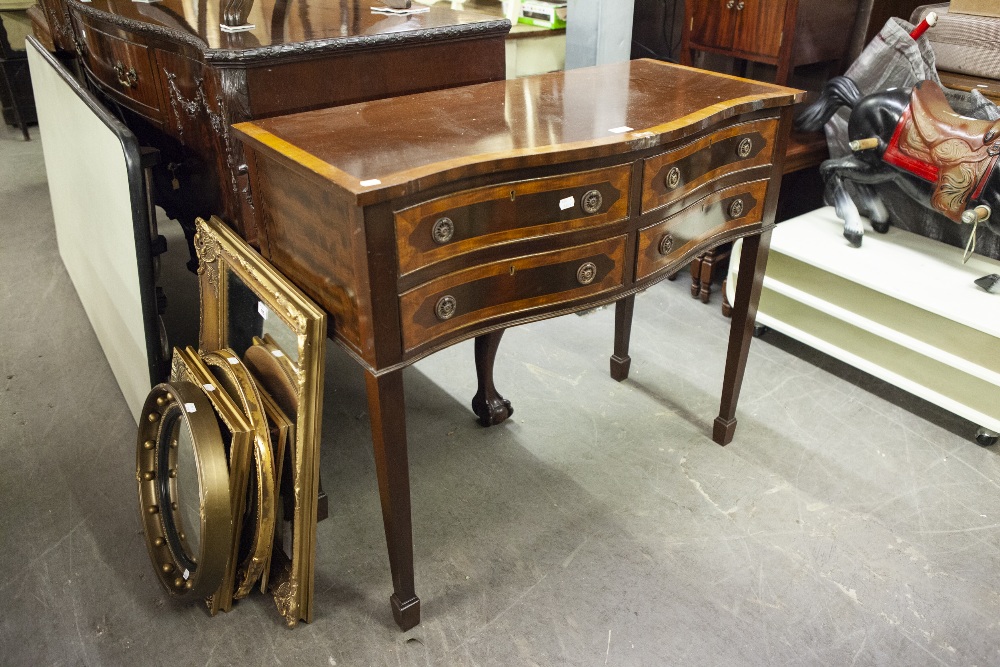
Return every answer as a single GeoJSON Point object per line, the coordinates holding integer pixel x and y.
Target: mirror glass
{"type": "Point", "coordinates": [188, 513]}
{"type": "Point", "coordinates": [248, 317]}
{"type": "Point", "coordinates": [178, 490]}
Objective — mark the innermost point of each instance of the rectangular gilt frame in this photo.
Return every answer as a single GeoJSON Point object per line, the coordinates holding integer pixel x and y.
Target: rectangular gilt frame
{"type": "Point", "coordinates": [220, 248]}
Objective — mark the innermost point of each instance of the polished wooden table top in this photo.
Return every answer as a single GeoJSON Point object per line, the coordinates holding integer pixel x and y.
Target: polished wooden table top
{"type": "Point", "coordinates": [385, 148]}
{"type": "Point", "coordinates": [281, 27]}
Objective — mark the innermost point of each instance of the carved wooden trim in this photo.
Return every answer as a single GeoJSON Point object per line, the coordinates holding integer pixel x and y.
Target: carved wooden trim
{"type": "Point", "coordinates": [294, 50]}
{"type": "Point", "coordinates": [178, 102]}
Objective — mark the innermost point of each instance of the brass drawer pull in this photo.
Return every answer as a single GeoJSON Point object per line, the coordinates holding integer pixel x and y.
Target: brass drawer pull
{"type": "Point", "coordinates": [127, 78]}
{"type": "Point", "coordinates": [736, 208]}
{"type": "Point", "coordinates": [586, 273]}
{"type": "Point", "coordinates": [744, 148]}
{"type": "Point", "coordinates": [666, 244]}
{"type": "Point", "coordinates": [443, 230]}
{"type": "Point", "coordinates": [446, 307]}
{"type": "Point", "coordinates": [591, 202]}
{"type": "Point", "coordinates": [729, 5]}
{"type": "Point", "coordinates": [673, 178]}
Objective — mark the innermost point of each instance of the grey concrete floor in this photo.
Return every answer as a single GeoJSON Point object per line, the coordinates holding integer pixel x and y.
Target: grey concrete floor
{"type": "Point", "coordinates": [848, 523]}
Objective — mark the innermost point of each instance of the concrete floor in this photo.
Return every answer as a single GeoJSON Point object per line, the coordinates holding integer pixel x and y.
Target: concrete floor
{"type": "Point", "coordinates": [848, 523]}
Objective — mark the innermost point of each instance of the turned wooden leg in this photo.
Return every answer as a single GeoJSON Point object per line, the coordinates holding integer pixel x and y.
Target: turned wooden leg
{"type": "Point", "coordinates": [753, 261]}
{"type": "Point", "coordinates": [696, 275]}
{"type": "Point", "coordinates": [707, 267]}
{"type": "Point", "coordinates": [727, 308]}
{"type": "Point", "coordinates": [620, 361]}
{"type": "Point", "coordinates": [388, 417]}
{"type": "Point", "coordinates": [488, 404]}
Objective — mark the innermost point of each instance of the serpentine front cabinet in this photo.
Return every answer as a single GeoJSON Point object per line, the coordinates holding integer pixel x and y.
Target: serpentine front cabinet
{"type": "Point", "coordinates": [423, 220]}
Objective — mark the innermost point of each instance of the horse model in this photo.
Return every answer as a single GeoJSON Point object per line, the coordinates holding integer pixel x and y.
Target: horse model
{"type": "Point", "coordinates": [913, 138]}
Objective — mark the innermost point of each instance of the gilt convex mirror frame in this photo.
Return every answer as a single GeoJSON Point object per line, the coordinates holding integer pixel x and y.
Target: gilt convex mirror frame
{"type": "Point", "coordinates": [243, 296]}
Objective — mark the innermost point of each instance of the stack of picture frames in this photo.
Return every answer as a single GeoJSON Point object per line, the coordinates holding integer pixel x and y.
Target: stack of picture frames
{"type": "Point", "coordinates": [228, 450]}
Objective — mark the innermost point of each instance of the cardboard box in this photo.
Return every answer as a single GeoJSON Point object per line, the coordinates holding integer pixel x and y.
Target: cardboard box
{"type": "Point", "coordinates": [978, 7]}
{"type": "Point", "coordinates": [543, 13]}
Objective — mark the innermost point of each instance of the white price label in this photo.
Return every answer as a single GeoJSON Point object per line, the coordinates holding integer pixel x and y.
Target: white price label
{"type": "Point", "coordinates": [620, 130]}
{"type": "Point", "coordinates": [262, 309]}
{"type": "Point", "coordinates": [190, 407]}
{"type": "Point", "coordinates": [567, 202]}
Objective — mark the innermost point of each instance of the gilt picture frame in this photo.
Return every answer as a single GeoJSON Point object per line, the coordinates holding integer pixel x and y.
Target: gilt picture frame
{"type": "Point", "coordinates": [243, 296]}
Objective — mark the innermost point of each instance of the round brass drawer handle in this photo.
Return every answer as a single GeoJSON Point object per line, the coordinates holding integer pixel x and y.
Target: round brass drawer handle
{"type": "Point", "coordinates": [736, 208]}
{"type": "Point", "coordinates": [666, 243]}
{"type": "Point", "coordinates": [744, 147]}
{"type": "Point", "coordinates": [446, 307]}
{"type": "Point", "coordinates": [443, 230]}
{"type": "Point", "coordinates": [591, 201]}
{"type": "Point", "coordinates": [673, 178]}
{"type": "Point", "coordinates": [586, 273]}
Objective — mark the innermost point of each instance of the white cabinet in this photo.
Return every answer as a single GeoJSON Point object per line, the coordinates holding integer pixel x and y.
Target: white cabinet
{"type": "Point", "coordinates": [902, 307]}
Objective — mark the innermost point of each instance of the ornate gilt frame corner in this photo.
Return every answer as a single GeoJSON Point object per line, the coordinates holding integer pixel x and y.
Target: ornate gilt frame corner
{"type": "Point", "coordinates": [220, 248]}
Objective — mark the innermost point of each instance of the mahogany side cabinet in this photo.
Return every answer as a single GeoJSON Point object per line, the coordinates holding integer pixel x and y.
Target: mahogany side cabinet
{"type": "Point", "coordinates": [423, 220]}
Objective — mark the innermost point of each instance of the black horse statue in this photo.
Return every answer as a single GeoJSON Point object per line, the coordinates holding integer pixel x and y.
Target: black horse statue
{"type": "Point", "coordinates": [910, 137]}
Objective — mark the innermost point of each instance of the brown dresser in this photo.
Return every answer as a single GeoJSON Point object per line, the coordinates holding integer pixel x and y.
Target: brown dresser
{"type": "Point", "coordinates": [420, 221]}
{"type": "Point", "coordinates": [783, 33]}
{"type": "Point", "coordinates": [182, 81]}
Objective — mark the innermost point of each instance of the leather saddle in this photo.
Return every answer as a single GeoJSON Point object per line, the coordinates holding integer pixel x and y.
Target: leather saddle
{"type": "Point", "coordinates": [937, 121]}
{"type": "Point", "coordinates": [954, 152]}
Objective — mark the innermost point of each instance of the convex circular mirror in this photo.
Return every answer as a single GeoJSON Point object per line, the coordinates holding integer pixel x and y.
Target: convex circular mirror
{"type": "Point", "coordinates": [183, 482]}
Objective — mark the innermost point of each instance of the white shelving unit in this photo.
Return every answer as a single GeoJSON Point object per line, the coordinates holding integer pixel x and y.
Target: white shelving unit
{"type": "Point", "coordinates": [902, 307]}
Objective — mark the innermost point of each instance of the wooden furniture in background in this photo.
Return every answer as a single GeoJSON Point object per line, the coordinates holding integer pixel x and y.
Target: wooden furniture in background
{"type": "Point", "coordinates": [783, 33]}
{"type": "Point", "coordinates": [182, 81]}
{"type": "Point", "coordinates": [528, 199]}
{"type": "Point", "coordinates": [15, 81]}
{"type": "Point", "coordinates": [705, 268]}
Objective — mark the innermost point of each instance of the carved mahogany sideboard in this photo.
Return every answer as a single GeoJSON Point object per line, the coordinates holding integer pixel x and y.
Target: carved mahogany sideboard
{"type": "Point", "coordinates": [183, 81]}
{"type": "Point", "coordinates": [508, 202]}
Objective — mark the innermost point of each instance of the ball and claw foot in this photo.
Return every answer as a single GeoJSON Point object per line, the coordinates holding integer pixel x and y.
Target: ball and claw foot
{"type": "Point", "coordinates": [986, 437]}
{"type": "Point", "coordinates": [491, 410]}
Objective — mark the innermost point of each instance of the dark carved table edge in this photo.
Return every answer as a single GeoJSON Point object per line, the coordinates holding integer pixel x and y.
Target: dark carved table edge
{"type": "Point", "coordinates": [287, 52]}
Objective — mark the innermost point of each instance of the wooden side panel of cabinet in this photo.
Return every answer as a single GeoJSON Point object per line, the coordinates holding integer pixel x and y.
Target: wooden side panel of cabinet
{"type": "Point", "coordinates": [759, 27]}
{"type": "Point", "coordinates": [711, 23]}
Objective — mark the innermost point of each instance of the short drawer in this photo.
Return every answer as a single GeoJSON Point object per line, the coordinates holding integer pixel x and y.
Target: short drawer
{"type": "Point", "coordinates": [467, 297]}
{"type": "Point", "coordinates": [669, 176]}
{"type": "Point", "coordinates": [473, 219]}
{"type": "Point", "coordinates": [125, 69]}
{"type": "Point", "coordinates": [665, 243]}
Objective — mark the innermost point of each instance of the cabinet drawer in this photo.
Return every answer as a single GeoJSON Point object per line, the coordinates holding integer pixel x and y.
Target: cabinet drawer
{"type": "Point", "coordinates": [473, 219]}
{"type": "Point", "coordinates": [467, 297]}
{"type": "Point", "coordinates": [125, 70]}
{"type": "Point", "coordinates": [670, 176]}
{"type": "Point", "coordinates": [667, 242]}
